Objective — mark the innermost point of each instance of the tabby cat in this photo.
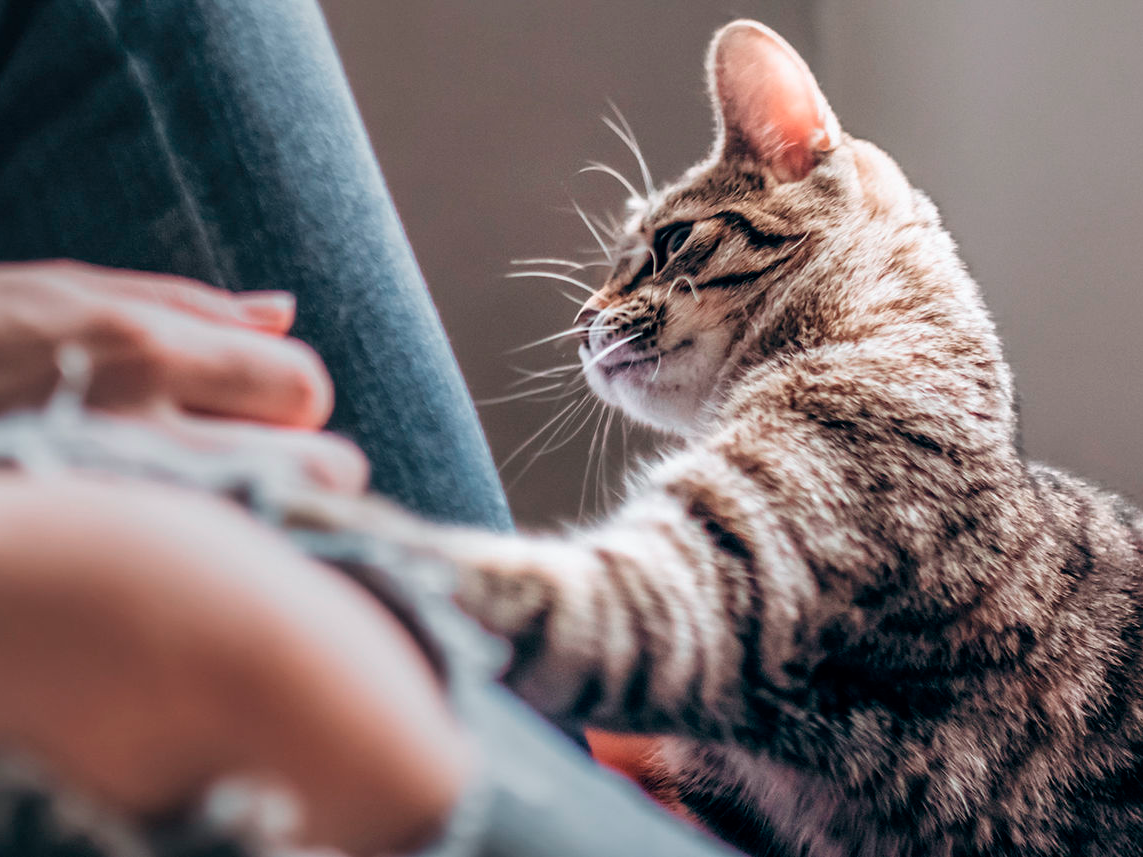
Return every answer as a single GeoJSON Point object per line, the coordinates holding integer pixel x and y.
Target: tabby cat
{"type": "Point", "coordinates": [858, 621]}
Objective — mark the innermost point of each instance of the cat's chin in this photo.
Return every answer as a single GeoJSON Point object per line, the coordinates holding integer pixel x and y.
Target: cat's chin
{"type": "Point", "coordinates": [665, 391]}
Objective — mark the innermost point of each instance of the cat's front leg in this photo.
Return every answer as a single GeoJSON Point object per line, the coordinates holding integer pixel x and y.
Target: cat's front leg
{"type": "Point", "coordinates": [688, 612]}
{"type": "Point", "coordinates": [513, 585]}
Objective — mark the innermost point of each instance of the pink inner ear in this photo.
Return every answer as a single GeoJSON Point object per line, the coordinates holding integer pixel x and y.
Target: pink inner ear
{"type": "Point", "coordinates": [770, 104]}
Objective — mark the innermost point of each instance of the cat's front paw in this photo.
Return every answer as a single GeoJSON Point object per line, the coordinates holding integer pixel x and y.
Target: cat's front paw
{"type": "Point", "coordinates": [515, 606]}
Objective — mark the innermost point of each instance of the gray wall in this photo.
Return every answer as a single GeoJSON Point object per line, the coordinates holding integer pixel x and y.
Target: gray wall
{"type": "Point", "coordinates": [1024, 122]}
{"type": "Point", "coordinates": [1021, 120]}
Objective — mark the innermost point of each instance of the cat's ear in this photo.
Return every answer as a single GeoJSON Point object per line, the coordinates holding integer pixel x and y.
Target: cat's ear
{"type": "Point", "coordinates": [768, 106]}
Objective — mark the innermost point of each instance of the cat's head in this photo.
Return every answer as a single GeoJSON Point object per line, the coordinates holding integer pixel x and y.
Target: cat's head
{"type": "Point", "coordinates": [768, 244]}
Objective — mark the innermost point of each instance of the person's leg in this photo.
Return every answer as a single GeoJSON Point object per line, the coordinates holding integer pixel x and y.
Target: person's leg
{"type": "Point", "coordinates": [219, 140]}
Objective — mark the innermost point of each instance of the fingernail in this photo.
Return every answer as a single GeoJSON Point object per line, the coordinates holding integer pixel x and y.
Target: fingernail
{"type": "Point", "coordinates": [341, 467]}
{"type": "Point", "coordinates": [269, 309]}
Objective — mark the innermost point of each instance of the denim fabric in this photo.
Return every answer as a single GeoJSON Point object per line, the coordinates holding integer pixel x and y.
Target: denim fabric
{"type": "Point", "coordinates": [217, 139]}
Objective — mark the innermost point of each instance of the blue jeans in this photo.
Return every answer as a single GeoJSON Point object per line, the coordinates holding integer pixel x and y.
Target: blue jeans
{"type": "Point", "coordinates": [217, 139]}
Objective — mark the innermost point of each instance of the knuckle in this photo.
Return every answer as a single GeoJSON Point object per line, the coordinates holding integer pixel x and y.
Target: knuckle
{"type": "Point", "coordinates": [118, 328]}
{"type": "Point", "coordinates": [130, 362]}
{"type": "Point", "coordinates": [192, 295]}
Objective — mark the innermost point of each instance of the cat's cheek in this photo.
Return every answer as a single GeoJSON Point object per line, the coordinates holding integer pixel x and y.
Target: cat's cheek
{"type": "Point", "coordinates": [605, 388]}
{"type": "Point", "coordinates": [669, 397]}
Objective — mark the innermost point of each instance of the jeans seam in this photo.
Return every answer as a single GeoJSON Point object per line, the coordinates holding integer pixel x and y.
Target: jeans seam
{"type": "Point", "coordinates": [158, 128]}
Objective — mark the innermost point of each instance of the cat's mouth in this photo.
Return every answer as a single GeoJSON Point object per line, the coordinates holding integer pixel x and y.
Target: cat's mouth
{"type": "Point", "coordinates": [628, 361]}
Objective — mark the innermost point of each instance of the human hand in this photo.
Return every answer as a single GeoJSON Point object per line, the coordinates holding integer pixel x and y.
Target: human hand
{"type": "Point", "coordinates": [216, 369]}
{"type": "Point", "coordinates": [153, 641]}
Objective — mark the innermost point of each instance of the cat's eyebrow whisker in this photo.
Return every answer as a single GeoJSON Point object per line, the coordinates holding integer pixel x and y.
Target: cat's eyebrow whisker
{"type": "Point", "coordinates": [597, 167]}
{"type": "Point", "coordinates": [690, 284]}
{"type": "Point", "coordinates": [628, 139]}
{"type": "Point", "coordinates": [594, 232]}
{"type": "Point", "coordinates": [622, 120]}
{"type": "Point", "coordinates": [609, 229]}
{"type": "Point", "coordinates": [609, 349]}
{"type": "Point", "coordinates": [551, 275]}
{"type": "Point", "coordinates": [640, 250]}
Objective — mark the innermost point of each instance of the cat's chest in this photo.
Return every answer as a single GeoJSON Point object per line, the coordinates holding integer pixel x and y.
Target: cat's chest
{"type": "Point", "coordinates": [804, 811]}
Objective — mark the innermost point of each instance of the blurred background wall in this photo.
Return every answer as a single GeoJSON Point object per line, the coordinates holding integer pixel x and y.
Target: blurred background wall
{"type": "Point", "coordinates": [1022, 120]}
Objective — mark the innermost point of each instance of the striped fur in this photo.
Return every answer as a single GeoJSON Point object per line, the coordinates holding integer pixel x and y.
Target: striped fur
{"type": "Point", "coordinates": [862, 624]}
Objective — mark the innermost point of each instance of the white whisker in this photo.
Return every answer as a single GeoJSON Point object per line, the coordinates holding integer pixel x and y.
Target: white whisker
{"type": "Point", "coordinates": [523, 394]}
{"type": "Point", "coordinates": [798, 244]}
{"type": "Point", "coordinates": [531, 439]}
{"type": "Point", "coordinates": [690, 284]}
{"type": "Point", "coordinates": [568, 414]}
{"type": "Point", "coordinates": [609, 227]}
{"type": "Point", "coordinates": [567, 263]}
{"type": "Point", "coordinates": [594, 232]}
{"type": "Point", "coordinates": [597, 167]}
{"type": "Point", "coordinates": [590, 455]}
{"type": "Point", "coordinates": [577, 301]}
{"type": "Point", "coordinates": [640, 250]}
{"type": "Point", "coordinates": [628, 139]}
{"type": "Point", "coordinates": [570, 386]}
{"type": "Point", "coordinates": [533, 375]}
{"type": "Point", "coordinates": [601, 473]}
{"type": "Point", "coordinates": [555, 443]}
{"type": "Point", "coordinates": [610, 348]}
{"type": "Point", "coordinates": [622, 120]}
{"type": "Point", "coordinates": [550, 275]}
{"type": "Point", "coordinates": [571, 331]}
{"type": "Point", "coordinates": [574, 390]}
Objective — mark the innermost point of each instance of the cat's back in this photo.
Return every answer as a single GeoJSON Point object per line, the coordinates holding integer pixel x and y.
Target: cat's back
{"type": "Point", "coordinates": [1033, 751]}
{"type": "Point", "coordinates": [1086, 684]}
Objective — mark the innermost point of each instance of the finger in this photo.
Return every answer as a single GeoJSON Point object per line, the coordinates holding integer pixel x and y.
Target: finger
{"type": "Point", "coordinates": [243, 374]}
{"type": "Point", "coordinates": [272, 311]}
{"type": "Point", "coordinates": [324, 459]}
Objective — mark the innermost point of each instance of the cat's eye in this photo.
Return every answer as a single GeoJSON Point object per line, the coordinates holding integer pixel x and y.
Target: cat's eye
{"type": "Point", "coordinates": [670, 240]}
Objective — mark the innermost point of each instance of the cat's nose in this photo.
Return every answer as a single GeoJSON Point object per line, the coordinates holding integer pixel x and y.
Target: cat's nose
{"type": "Point", "coordinates": [583, 321]}
{"type": "Point", "coordinates": [588, 313]}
